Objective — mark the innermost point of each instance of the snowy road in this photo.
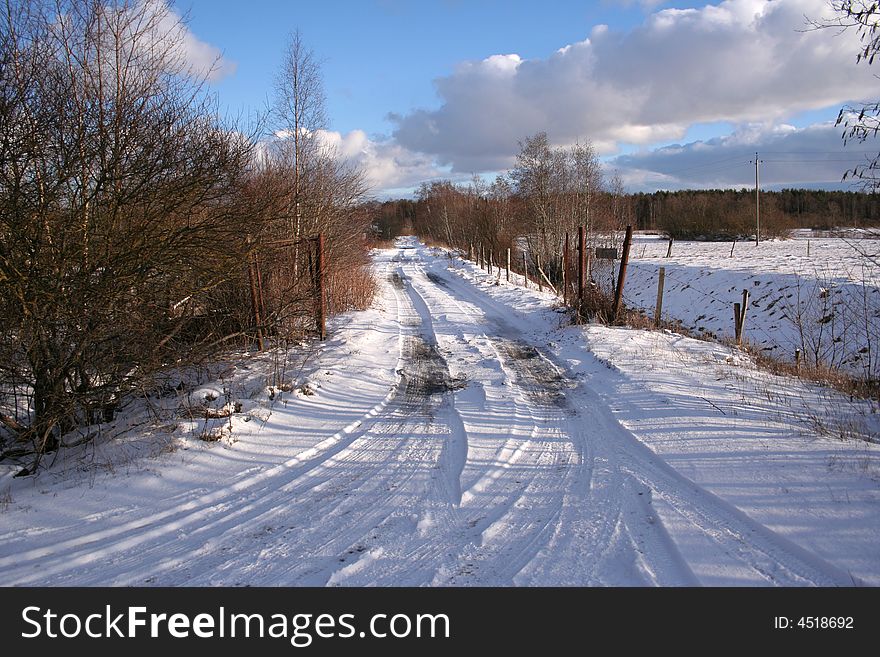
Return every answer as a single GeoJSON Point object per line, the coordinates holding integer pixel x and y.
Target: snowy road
{"type": "Point", "coordinates": [486, 462]}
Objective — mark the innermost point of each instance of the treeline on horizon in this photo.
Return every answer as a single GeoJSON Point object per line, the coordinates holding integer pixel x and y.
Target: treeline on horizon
{"type": "Point", "coordinates": [713, 214]}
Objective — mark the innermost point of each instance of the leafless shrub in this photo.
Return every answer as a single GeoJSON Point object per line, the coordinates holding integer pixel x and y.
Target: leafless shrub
{"type": "Point", "coordinates": [120, 209]}
{"type": "Point", "coordinates": [312, 190]}
{"type": "Point", "coordinates": [838, 323]}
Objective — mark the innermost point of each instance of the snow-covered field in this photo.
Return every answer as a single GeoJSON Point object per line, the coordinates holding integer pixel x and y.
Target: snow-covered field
{"type": "Point", "coordinates": [460, 433]}
{"type": "Point", "coordinates": [819, 295]}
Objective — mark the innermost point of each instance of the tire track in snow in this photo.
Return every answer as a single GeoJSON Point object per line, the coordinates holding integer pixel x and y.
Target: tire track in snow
{"type": "Point", "coordinates": [364, 498]}
{"type": "Point", "coordinates": [770, 557]}
{"type": "Point", "coordinates": [511, 531]}
{"type": "Point", "coordinates": [520, 478]}
{"type": "Point", "coordinates": [131, 542]}
{"type": "Point", "coordinates": [513, 553]}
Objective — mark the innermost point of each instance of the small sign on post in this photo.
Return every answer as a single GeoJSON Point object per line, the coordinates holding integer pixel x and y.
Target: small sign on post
{"type": "Point", "coordinates": [606, 254]}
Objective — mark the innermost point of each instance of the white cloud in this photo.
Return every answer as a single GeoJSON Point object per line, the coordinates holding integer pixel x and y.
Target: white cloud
{"type": "Point", "coordinates": [201, 58]}
{"type": "Point", "coordinates": [738, 61]}
{"type": "Point", "coordinates": [386, 164]}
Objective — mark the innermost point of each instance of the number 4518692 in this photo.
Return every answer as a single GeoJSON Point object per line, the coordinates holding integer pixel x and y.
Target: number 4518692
{"type": "Point", "coordinates": [814, 623]}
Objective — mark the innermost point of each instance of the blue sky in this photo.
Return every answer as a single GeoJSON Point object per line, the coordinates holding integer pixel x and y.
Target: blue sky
{"type": "Point", "coordinates": [420, 89]}
{"type": "Point", "coordinates": [381, 56]}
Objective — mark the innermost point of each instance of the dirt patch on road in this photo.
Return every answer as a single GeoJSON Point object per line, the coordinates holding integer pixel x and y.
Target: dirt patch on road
{"type": "Point", "coordinates": [426, 371]}
{"type": "Point", "coordinates": [396, 280]}
{"type": "Point", "coordinates": [537, 376]}
{"type": "Point", "coordinates": [437, 280]}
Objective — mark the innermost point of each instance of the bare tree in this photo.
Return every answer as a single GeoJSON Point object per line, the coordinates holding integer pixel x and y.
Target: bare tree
{"type": "Point", "coordinates": [558, 188]}
{"type": "Point", "coordinates": [120, 205]}
{"type": "Point", "coordinates": [534, 180]}
{"type": "Point", "coordinates": [860, 121]}
{"type": "Point", "coordinates": [587, 175]}
{"type": "Point", "coordinates": [299, 113]}
{"type": "Point", "coordinates": [315, 191]}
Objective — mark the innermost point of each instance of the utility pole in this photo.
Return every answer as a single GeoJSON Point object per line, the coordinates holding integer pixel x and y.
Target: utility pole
{"type": "Point", "coordinates": [757, 200]}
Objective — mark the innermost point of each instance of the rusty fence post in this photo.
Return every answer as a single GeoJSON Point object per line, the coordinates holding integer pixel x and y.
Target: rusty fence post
{"type": "Point", "coordinates": [582, 262]}
{"type": "Point", "coordinates": [260, 297]}
{"type": "Point", "coordinates": [538, 267]}
{"type": "Point", "coordinates": [621, 276]}
{"type": "Point", "coordinates": [321, 308]}
{"type": "Point", "coordinates": [736, 323]}
{"type": "Point", "coordinates": [740, 314]}
{"type": "Point", "coordinates": [255, 301]}
{"type": "Point", "coordinates": [565, 268]}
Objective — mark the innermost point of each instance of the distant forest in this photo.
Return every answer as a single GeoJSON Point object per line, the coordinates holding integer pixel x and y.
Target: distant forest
{"type": "Point", "coordinates": [689, 214]}
{"type": "Point", "coordinates": [727, 213]}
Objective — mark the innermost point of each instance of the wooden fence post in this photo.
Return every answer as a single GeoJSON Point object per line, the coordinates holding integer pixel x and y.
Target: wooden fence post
{"type": "Point", "coordinates": [621, 276]}
{"type": "Point", "coordinates": [508, 265]}
{"type": "Point", "coordinates": [255, 304]}
{"type": "Point", "coordinates": [565, 268]}
{"type": "Point", "coordinates": [255, 300]}
{"type": "Point", "coordinates": [525, 271]}
{"type": "Point", "coordinates": [321, 301]}
{"type": "Point", "coordinates": [669, 249]}
{"type": "Point", "coordinates": [582, 262]}
{"type": "Point", "coordinates": [739, 317]}
{"type": "Point", "coordinates": [658, 309]}
{"type": "Point", "coordinates": [538, 266]}
{"type": "Point", "coordinates": [262, 304]}
{"type": "Point", "coordinates": [589, 272]}
{"type": "Point", "coordinates": [737, 334]}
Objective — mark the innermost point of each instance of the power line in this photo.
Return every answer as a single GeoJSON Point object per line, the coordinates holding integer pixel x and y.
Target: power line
{"type": "Point", "coordinates": [737, 160]}
{"type": "Point", "coordinates": [706, 165]}
{"type": "Point", "coordinates": [817, 152]}
{"type": "Point", "coordinates": [809, 161]}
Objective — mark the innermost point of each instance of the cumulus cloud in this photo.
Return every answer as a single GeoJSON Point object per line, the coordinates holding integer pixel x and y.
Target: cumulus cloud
{"type": "Point", "coordinates": [201, 58]}
{"type": "Point", "coordinates": [386, 164]}
{"type": "Point", "coordinates": [789, 157]}
{"type": "Point", "coordinates": [738, 61]}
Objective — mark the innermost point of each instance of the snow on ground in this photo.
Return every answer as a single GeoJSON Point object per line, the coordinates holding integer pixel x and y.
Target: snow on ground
{"type": "Point", "coordinates": [820, 295]}
{"type": "Point", "coordinates": [461, 433]}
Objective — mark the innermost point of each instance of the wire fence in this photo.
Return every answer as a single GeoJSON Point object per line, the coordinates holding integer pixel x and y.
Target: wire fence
{"type": "Point", "coordinates": [841, 332]}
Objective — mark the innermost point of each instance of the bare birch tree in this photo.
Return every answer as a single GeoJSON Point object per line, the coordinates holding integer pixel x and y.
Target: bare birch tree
{"type": "Point", "coordinates": [299, 113]}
